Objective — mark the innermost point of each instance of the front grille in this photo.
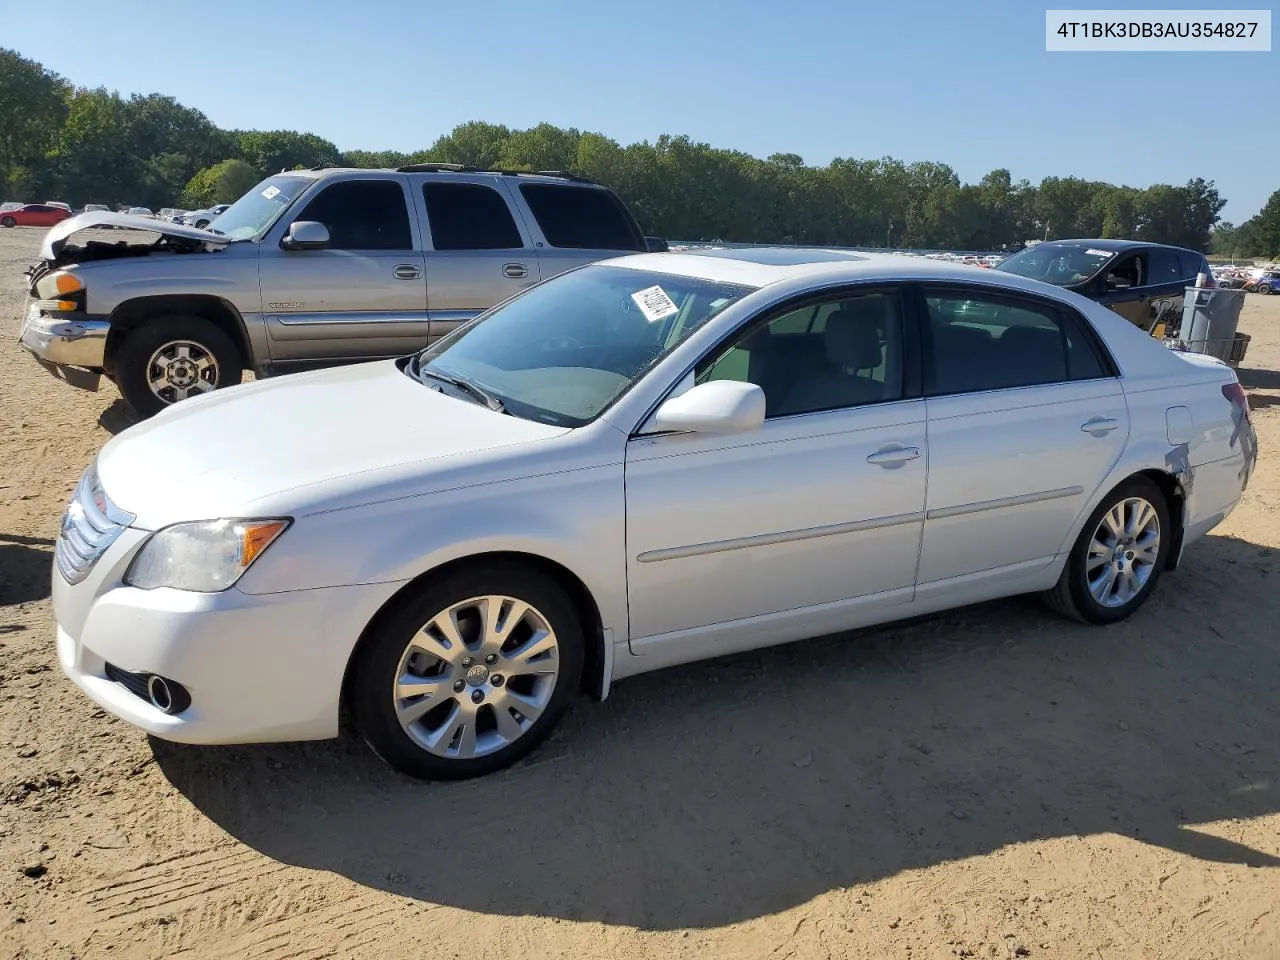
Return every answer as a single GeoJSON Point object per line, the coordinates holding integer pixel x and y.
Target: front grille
{"type": "Point", "coordinates": [90, 524]}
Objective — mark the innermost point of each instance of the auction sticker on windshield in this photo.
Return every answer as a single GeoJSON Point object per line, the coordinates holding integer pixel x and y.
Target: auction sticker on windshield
{"type": "Point", "coordinates": [654, 303]}
{"type": "Point", "coordinates": [1098, 253]}
{"type": "Point", "coordinates": [271, 192]}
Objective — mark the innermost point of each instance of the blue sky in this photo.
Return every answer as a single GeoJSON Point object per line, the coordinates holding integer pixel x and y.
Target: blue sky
{"type": "Point", "coordinates": [966, 83]}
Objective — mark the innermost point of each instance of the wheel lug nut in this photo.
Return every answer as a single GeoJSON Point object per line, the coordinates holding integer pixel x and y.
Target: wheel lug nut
{"type": "Point", "coordinates": [467, 661]}
{"type": "Point", "coordinates": [458, 685]}
{"type": "Point", "coordinates": [477, 696]}
{"type": "Point", "coordinates": [496, 680]}
{"type": "Point", "coordinates": [491, 658]}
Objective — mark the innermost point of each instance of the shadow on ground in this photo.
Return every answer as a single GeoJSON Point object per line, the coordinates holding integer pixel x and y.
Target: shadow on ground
{"type": "Point", "coordinates": [117, 417]}
{"type": "Point", "coordinates": [734, 789]}
{"type": "Point", "coordinates": [24, 568]}
{"type": "Point", "coordinates": [1259, 379]}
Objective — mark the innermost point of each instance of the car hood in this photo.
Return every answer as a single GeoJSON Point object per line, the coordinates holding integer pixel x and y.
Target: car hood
{"type": "Point", "coordinates": [301, 443]}
{"type": "Point", "coordinates": [57, 236]}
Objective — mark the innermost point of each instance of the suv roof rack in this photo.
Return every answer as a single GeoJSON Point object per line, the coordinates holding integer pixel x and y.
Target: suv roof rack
{"type": "Point", "coordinates": [463, 168]}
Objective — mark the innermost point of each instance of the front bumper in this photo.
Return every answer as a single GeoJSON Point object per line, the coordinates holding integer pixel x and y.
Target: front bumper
{"type": "Point", "coordinates": [258, 668]}
{"type": "Point", "coordinates": [65, 341]}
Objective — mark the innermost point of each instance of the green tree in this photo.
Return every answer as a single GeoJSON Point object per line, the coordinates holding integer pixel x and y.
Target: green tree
{"type": "Point", "coordinates": [270, 151]}
{"type": "Point", "coordinates": [1264, 229]}
{"type": "Point", "coordinates": [33, 109]}
{"type": "Point", "coordinates": [224, 182]}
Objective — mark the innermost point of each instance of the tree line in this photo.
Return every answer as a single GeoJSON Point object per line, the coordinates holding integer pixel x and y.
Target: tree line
{"type": "Point", "coordinates": [60, 141]}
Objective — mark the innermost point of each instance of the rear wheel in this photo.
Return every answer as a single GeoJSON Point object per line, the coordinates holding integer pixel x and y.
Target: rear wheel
{"type": "Point", "coordinates": [173, 357]}
{"type": "Point", "coordinates": [470, 675]}
{"type": "Point", "coordinates": [1264, 288]}
{"type": "Point", "coordinates": [1118, 557]}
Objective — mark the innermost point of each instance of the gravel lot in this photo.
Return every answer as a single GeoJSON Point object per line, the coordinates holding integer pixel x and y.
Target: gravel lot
{"type": "Point", "coordinates": [989, 783]}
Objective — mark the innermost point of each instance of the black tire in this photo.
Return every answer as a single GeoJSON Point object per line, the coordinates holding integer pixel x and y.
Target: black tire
{"type": "Point", "coordinates": [133, 357]}
{"type": "Point", "coordinates": [8, 222]}
{"type": "Point", "coordinates": [1264, 288]}
{"type": "Point", "coordinates": [201, 224]}
{"type": "Point", "coordinates": [378, 662]}
{"type": "Point", "coordinates": [1071, 596]}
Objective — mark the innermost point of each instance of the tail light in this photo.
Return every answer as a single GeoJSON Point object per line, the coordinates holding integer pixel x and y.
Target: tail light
{"type": "Point", "coordinates": [1235, 393]}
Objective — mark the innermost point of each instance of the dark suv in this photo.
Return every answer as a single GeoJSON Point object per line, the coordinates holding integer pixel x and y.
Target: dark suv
{"type": "Point", "coordinates": [1143, 282]}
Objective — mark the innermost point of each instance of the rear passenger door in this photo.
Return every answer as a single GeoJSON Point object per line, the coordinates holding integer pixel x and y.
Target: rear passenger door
{"type": "Point", "coordinates": [478, 253]}
{"type": "Point", "coordinates": [577, 224]}
{"type": "Point", "coordinates": [1025, 419]}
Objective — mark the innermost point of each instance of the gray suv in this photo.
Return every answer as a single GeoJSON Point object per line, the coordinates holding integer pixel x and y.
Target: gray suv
{"type": "Point", "coordinates": [310, 268]}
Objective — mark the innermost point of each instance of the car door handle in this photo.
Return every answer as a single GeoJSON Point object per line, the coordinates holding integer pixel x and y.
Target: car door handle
{"type": "Point", "coordinates": [1099, 425]}
{"type": "Point", "coordinates": [892, 456]}
{"type": "Point", "coordinates": [406, 271]}
{"type": "Point", "coordinates": [515, 271]}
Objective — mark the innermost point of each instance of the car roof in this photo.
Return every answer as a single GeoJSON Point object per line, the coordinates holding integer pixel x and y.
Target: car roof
{"type": "Point", "coordinates": [763, 266]}
{"type": "Point", "coordinates": [320, 173]}
{"type": "Point", "coordinates": [1111, 244]}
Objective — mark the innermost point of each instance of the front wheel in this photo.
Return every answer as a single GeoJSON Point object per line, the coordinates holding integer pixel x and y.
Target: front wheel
{"type": "Point", "coordinates": [8, 222]}
{"type": "Point", "coordinates": [469, 675]}
{"type": "Point", "coordinates": [173, 357]}
{"type": "Point", "coordinates": [1264, 288]}
{"type": "Point", "coordinates": [1118, 557]}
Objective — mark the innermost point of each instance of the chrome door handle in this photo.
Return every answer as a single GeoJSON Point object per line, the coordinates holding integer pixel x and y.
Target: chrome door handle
{"type": "Point", "coordinates": [515, 271]}
{"type": "Point", "coordinates": [892, 456]}
{"type": "Point", "coordinates": [406, 271]}
{"type": "Point", "coordinates": [1099, 425]}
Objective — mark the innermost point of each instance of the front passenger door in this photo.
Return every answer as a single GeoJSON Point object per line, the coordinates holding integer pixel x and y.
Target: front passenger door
{"type": "Point", "coordinates": [364, 295]}
{"type": "Point", "coordinates": [803, 525]}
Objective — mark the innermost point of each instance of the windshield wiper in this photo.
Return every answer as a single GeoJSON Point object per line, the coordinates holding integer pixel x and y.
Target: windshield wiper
{"type": "Point", "coordinates": [488, 399]}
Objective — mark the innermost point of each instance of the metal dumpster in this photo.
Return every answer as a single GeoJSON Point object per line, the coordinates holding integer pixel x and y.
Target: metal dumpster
{"type": "Point", "coordinates": [1209, 319]}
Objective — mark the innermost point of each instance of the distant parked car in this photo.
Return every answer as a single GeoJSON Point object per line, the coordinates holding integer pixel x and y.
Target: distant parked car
{"type": "Point", "coordinates": [58, 203]}
{"type": "Point", "coordinates": [94, 207]}
{"type": "Point", "coordinates": [171, 214]}
{"type": "Point", "coordinates": [34, 215]}
{"type": "Point", "coordinates": [1266, 281]}
{"type": "Point", "coordinates": [140, 212]}
{"type": "Point", "coordinates": [202, 218]}
{"type": "Point", "coordinates": [1143, 282]}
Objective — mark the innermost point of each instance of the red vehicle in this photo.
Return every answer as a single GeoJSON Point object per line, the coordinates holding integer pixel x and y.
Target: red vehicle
{"type": "Point", "coordinates": [33, 215]}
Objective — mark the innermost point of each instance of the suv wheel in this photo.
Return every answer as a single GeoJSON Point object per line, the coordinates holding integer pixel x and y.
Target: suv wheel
{"type": "Point", "coordinates": [172, 357]}
{"type": "Point", "coordinates": [470, 675]}
{"type": "Point", "coordinates": [1118, 557]}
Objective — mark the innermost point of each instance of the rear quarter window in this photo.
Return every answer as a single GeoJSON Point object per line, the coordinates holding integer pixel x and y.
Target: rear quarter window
{"type": "Point", "coordinates": [582, 218]}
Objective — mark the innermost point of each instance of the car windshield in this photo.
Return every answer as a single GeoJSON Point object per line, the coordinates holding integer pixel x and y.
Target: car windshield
{"type": "Point", "coordinates": [258, 209]}
{"type": "Point", "coordinates": [1062, 264]}
{"type": "Point", "coordinates": [565, 350]}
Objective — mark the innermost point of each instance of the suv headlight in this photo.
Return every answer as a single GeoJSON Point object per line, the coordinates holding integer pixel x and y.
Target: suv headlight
{"type": "Point", "coordinates": [207, 556]}
{"type": "Point", "coordinates": [60, 290]}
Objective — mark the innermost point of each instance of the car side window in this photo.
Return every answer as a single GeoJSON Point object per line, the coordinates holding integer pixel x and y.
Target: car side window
{"type": "Point", "coordinates": [1164, 268]}
{"type": "Point", "coordinates": [1127, 272]}
{"type": "Point", "coordinates": [583, 218]}
{"type": "Point", "coordinates": [982, 341]}
{"type": "Point", "coordinates": [855, 359]}
{"type": "Point", "coordinates": [362, 215]}
{"type": "Point", "coordinates": [1192, 264]}
{"type": "Point", "coordinates": [469, 216]}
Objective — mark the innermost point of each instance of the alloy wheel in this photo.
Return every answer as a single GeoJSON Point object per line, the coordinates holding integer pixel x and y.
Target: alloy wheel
{"type": "Point", "coordinates": [476, 677]}
{"type": "Point", "coordinates": [180, 369]}
{"type": "Point", "coordinates": [1123, 552]}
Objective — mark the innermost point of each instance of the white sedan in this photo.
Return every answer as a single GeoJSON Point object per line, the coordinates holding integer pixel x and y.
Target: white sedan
{"type": "Point", "coordinates": [641, 463]}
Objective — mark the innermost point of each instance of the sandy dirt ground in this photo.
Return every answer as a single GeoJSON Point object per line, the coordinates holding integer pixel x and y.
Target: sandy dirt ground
{"type": "Point", "coordinates": [991, 783]}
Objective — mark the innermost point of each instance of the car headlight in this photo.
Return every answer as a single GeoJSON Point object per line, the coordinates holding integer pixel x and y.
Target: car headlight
{"type": "Point", "coordinates": [207, 556]}
{"type": "Point", "coordinates": [60, 290]}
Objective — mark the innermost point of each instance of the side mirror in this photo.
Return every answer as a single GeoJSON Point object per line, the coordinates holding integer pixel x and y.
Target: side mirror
{"type": "Point", "coordinates": [306, 235]}
{"type": "Point", "coordinates": [656, 245]}
{"type": "Point", "coordinates": [719, 406]}
{"type": "Point", "coordinates": [1118, 283]}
